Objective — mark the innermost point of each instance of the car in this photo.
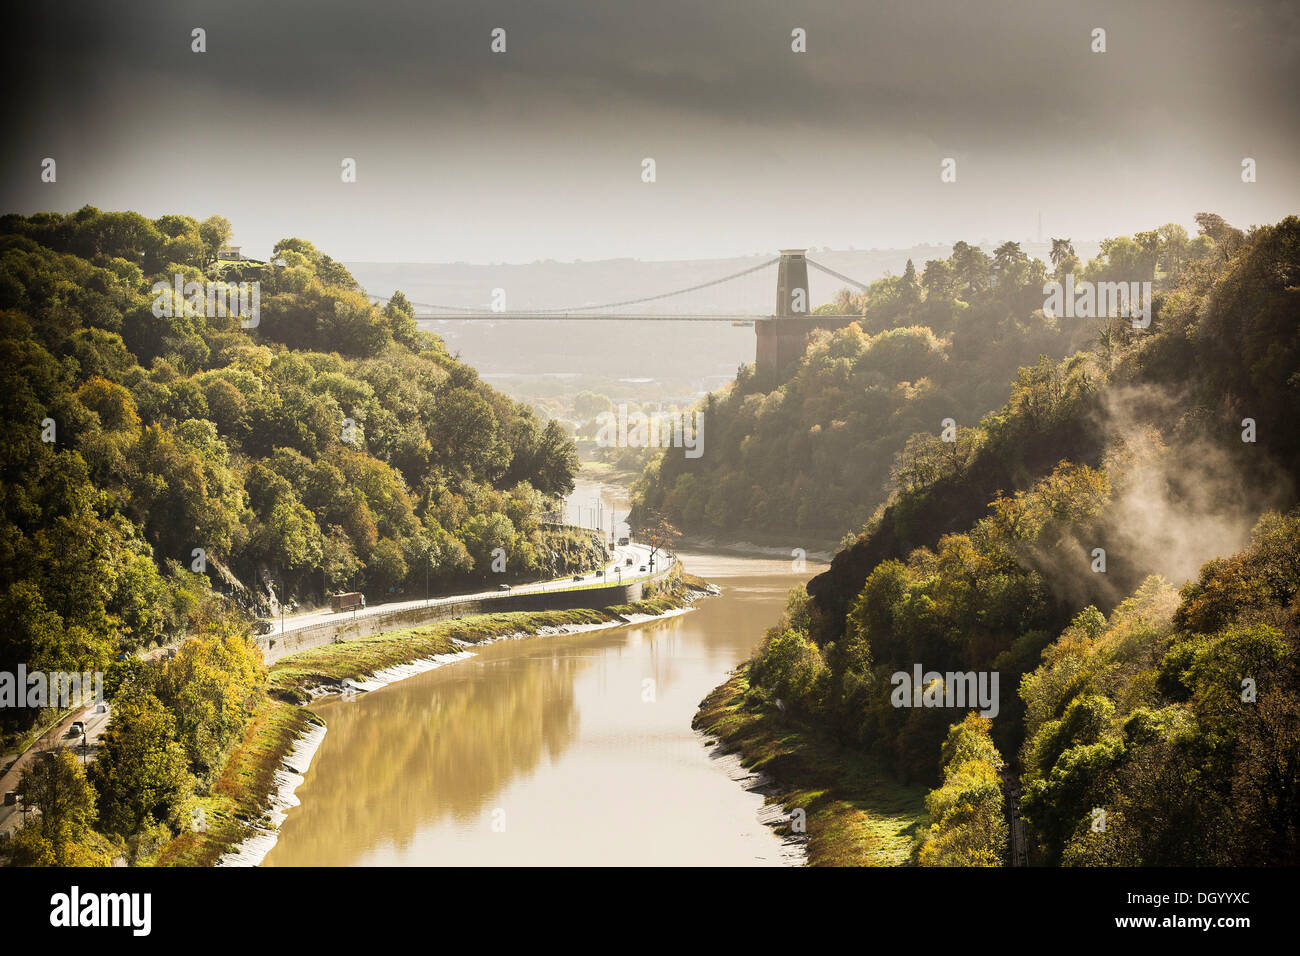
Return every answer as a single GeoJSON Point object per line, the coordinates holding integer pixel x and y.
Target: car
{"type": "Point", "coordinates": [77, 729]}
{"type": "Point", "coordinates": [262, 627]}
{"type": "Point", "coordinates": [642, 568]}
{"type": "Point", "coordinates": [503, 587]}
{"type": "Point", "coordinates": [577, 577]}
{"type": "Point", "coordinates": [629, 562]}
{"type": "Point", "coordinates": [623, 542]}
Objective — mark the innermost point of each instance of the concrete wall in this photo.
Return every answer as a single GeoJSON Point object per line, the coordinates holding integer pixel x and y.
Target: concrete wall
{"type": "Point", "coordinates": [346, 627]}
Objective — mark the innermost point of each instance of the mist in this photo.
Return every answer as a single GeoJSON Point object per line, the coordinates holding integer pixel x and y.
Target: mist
{"type": "Point", "coordinates": [1184, 490]}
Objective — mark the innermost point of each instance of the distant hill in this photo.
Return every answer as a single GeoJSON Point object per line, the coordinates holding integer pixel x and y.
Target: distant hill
{"type": "Point", "coordinates": [694, 353]}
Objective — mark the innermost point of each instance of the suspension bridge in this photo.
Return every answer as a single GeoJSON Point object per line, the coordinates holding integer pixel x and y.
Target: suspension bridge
{"type": "Point", "coordinates": [781, 335]}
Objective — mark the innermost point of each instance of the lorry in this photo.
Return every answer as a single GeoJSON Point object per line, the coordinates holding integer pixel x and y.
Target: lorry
{"type": "Point", "coordinates": [347, 601]}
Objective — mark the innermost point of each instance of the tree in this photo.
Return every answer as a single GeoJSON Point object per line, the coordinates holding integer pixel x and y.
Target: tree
{"type": "Point", "coordinates": [140, 773]}
{"type": "Point", "coordinates": [210, 686]}
{"type": "Point", "coordinates": [1227, 238]}
{"type": "Point", "coordinates": [661, 534]}
{"type": "Point", "coordinates": [909, 288]}
{"type": "Point", "coordinates": [972, 267]}
{"type": "Point", "coordinates": [183, 489]}
{"type": "Point", "coordinates": [466, 434]}
{"type": "Point", "coordinates": [1005, 258]}
{"type": "Point", "coordinates": [926, 458]}
{"type": "Point", "coordinates": [63, 834]}
{"type": "Point", "coordinates": [590, 404]}
{"type": "Point", "coordinates": [792, 667]}
{"type": "Point", "coordinates": [215, 233]}
{"type": "Point", "coordinates": [1062, 256]}
{"type": "Point", "coordinates": [555, 461]}
{"type": "Point", "coordinates": [938, 280]}
{"type": "Point", "coordinates": [967, 827]}
{"type": "Point", "coordinates": [386, 569]}
{"type": "Point", "coordinates": [56, 785]}
{"type": "Point", "coordinates": [401, 321]}
{"type": "Point", "coordinates": [1174, 247]}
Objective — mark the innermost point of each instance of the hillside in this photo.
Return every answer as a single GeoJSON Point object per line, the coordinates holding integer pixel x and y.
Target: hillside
{"type": "Point", "coordinates": [1050, 551]}
{"type": "Point", "coordinates": [814, 455]}
{"type": "Point", "coordinates": [158, 445]}
{"type": "Point", "coordinates": [690, 356]}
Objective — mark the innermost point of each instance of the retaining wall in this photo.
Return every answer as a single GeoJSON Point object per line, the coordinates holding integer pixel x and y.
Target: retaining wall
{"type": "Point", "coordinates": [346, 627]}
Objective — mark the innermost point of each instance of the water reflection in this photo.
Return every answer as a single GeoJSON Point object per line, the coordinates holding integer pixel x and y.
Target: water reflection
{"type": "Point", "coordinates": [573, 749]}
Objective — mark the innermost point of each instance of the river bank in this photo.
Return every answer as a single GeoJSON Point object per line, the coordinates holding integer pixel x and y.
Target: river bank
{"type": "Point", "coordinates": [474, 764]}
{"type": "Point", "coordinates": [854, 812]}
{"type": "Point", "coordinates": [237, 822]}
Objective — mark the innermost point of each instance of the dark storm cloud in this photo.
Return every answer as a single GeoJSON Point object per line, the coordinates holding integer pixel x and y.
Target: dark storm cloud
{"type": "Point", "coordinates": [1186, 86]}
{"type": "Point", "coordinates": [1005, 65]}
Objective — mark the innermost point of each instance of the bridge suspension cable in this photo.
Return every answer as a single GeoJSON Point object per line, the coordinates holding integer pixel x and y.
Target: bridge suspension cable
{"type": "Point", "coordinates": [838, 275]}
{"type": "Point", "coordinates": [593, 308]}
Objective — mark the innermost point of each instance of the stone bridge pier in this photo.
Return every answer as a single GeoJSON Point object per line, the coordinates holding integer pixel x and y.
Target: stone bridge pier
{"type": "Point", "coordinates": [783, 338]}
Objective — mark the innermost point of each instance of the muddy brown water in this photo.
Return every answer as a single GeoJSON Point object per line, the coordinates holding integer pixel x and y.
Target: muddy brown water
{"type": "Point", "coordinates": [573, 749]}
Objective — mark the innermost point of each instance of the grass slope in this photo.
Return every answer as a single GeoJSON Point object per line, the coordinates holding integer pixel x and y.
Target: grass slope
{"type": "Point", "coordinates": [291, 677]}
{"type": "Point", "coordinates": [242, 793]}
{"type": "Point", "coordinates": [857, 814]}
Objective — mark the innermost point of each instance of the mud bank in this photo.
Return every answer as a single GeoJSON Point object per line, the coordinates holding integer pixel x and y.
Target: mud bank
{"type": "Point", "coordinates": [261, 837]}
{"type": "Point", "coordinates": [288, 778]}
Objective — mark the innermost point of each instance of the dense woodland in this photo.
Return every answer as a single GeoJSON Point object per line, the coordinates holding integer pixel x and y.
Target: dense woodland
{"type": "Point", "coordinates": [942, 343]}
{"type": "Point", "coordinates": [332, 446]}
{"type": "Point", "coordinates": [1172, 707]}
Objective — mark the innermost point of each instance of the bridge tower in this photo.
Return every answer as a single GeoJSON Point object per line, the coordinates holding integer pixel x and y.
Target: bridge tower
{"type": "Point", "coordinates": [783, 338]}
{"type": "Point", "coordinates": [792, 283]}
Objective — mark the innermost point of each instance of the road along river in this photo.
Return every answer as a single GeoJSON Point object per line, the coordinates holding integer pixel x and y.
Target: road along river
{"type": "Point", "coordinates": [574, 749]}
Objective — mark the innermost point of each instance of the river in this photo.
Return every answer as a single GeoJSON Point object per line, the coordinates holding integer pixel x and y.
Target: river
{"type": "Point", "coordinates": [553, 750]}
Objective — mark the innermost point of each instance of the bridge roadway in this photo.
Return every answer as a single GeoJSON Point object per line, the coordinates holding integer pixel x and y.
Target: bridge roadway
{"type": "Point", "coordinates": [811, 317]}
{"type": "Point", "coordinates": [781, 337]}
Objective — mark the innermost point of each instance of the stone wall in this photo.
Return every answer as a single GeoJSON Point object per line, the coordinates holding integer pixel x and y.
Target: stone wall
{"type": "Point", "coordinates": [346, 626]}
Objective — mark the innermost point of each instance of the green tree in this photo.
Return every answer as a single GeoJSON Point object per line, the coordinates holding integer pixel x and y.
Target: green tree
{"type": "Point", "coordinates": [215, 233]}
{"type": "Point", "coordinates": [386, 570]}
{"type": "Point", "coordinates": [62, 834]}
{"type": "Point", "coordinates": [967, 827]}
{"type": "Point", "coordinates": [589, 404]}
{"type": "Point", "coordinates": [140, 773]}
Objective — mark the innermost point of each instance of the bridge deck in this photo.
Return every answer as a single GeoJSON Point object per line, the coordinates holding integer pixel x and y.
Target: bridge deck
{"type": "Point", "coordinates": [597, 317]}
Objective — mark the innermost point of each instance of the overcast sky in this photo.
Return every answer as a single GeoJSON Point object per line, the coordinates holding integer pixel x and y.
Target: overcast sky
{"type": "Point", "coordinates": [463, 154]}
